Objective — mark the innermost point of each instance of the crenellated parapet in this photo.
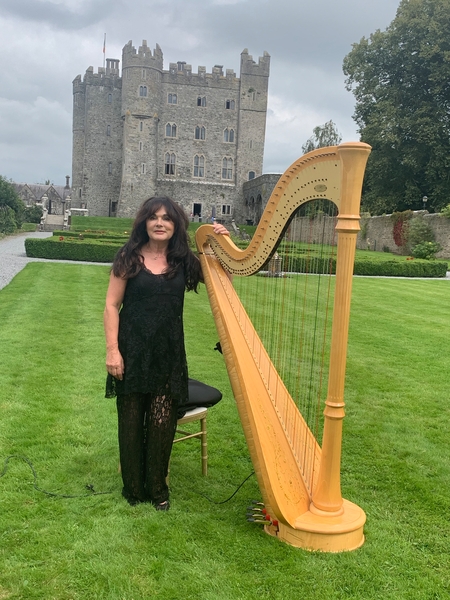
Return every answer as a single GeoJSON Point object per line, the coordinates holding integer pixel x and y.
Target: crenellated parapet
{"type": "Point", "coordinates": [184, 72]}
{"type": "Point", "coordinates": [250, 67]}
{"type": "Point", "coordinates": [108, 77]}
{"type": "Point", "coordinates": [143, 57]}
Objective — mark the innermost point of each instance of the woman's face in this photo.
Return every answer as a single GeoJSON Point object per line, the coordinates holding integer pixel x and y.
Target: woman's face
{"type": "Point", "coordinates": [160, 227]}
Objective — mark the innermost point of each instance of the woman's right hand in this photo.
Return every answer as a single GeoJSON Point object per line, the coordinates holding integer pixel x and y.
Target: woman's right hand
{"type": "Point", "coordinates": [114, 364]}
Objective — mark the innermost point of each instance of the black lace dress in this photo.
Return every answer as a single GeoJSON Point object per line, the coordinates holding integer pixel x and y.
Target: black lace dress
{"type": "Point", "coordinates": [151, 341]}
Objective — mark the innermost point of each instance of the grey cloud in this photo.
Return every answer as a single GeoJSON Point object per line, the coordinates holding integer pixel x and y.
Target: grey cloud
{"type": "Point", "coordinates": [56, 15]}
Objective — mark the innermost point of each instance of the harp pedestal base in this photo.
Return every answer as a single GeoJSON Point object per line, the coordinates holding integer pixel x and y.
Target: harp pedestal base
{"type": "Point", "coordinates": [326, 534]}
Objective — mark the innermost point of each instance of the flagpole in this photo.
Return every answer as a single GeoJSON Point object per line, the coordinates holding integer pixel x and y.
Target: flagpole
{"type": "Point", "coordinates": [104, 50]}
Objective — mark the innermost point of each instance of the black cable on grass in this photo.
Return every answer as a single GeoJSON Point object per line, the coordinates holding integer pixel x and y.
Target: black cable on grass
{"type": "Point", "coordinates": [232, 495]}
{"type": "Point", "coordinates": [89, 486]}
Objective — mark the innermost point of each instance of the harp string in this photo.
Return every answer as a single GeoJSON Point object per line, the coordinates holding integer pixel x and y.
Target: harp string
{"type": "Point", "coordinates": [291, 312]}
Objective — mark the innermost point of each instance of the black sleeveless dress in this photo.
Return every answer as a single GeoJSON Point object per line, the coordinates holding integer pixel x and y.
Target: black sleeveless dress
{"type": "Point", "coordinates": [151, 338]}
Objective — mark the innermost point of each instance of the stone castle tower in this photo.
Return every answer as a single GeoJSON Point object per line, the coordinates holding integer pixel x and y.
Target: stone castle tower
{"type": "Point", "coordinates": [196, 137]}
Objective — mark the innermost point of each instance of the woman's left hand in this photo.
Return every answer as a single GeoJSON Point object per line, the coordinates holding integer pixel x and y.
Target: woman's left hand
{"type": "Point", "coordinates": [220, 229]}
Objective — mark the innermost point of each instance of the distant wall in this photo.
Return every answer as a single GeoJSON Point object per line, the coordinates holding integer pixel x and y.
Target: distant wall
{"type": "Point", "coordinates": [378, 233]}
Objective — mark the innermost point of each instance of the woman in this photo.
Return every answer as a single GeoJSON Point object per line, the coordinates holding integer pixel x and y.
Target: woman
{"type": "Point", "coordinates": [145, 354]}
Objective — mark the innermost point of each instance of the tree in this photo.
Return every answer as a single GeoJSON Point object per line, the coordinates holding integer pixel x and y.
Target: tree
{"type": "Point", "coordinates": [11, 205]}
{"type": "Point", "coordinates": [325, 135]}
{"type": "Point", "coordinates": [401, 82]}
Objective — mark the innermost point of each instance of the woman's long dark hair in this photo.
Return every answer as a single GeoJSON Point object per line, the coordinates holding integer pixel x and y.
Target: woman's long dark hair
{"type": "Point", "coordinates": [129, 261]}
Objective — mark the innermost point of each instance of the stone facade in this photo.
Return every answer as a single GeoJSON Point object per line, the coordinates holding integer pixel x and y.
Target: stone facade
{"type": "Point", "coordinates": [256, 194]}
{"type": "Point", "coordinates": [196, 137]}
{"type": "Point", "coordinates": [54, 199]}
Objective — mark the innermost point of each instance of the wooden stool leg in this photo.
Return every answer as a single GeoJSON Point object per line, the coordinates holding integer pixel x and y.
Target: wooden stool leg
{"type": "Point", "coordinates": [204, 443]}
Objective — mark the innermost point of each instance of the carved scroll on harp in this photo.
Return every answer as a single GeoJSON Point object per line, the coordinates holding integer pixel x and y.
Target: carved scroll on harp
{"type": "Point", "coordinates": [302, 497]}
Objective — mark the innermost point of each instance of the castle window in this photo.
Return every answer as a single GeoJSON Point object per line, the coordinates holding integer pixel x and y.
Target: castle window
{"type": "Point", "coordinates": [228, 135]}
{"type": "Point", "coordinates": [227, 168]}
{"type": "Point", "coordinates": [226, 209]}
{"type": "Point", "coordinates": [109, 98]}
{"type": "Point", "coordinates": [230, 104]}
{"type": "Point", "coordinates": [200, 133]}
{"type": "Point", "coordinates": [141, 125]}
{"type": "Point", "coordinates": [140, 146]}
{"type": "Point", "coordinates": [199, 166]}
{"type": "Point", "coordinates": [201, 101]}
{"type": "Point", "coordinates": [172, 99]}
{"type": "Point", "coordinates": [110, 168]}
{"type": "Point", "coordinates": [143, 168]}
{"type": "Point", "coordinates": [169, 163]}
{"type": "Point", "coordinates": [144, 73]}
{"type": "Point", "coordinates": [108, 130]}
{"type": "Point", "coordinates": [143, 91]}
{"type": "Point", "coordinates": [251, 175]}
{"type": "Point", "coordinates": [171, 130]}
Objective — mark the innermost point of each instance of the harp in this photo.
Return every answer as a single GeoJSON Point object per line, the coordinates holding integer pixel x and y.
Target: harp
{"type": "Point", "coordinates": [298, 475]}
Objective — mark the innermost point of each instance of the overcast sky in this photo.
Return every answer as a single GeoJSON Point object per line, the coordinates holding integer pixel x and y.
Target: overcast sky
{"type": "Point", "coordinates": [45, 44]}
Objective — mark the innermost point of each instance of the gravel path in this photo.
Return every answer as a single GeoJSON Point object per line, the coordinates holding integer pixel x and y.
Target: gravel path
{"type": "Point", "coordinates": [13, 257]}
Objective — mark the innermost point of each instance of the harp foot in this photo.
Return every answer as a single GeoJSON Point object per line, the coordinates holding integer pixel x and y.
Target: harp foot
{"type": "Point", "coordinates": [314, 532]}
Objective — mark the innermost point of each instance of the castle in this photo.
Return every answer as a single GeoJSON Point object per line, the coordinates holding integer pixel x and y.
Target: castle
{"type": "Point", "coordinates": [196, 137]}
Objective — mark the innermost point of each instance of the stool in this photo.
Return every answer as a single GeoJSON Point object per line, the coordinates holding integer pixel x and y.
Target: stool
{"type": "Point", "coordinates": [196, 414]}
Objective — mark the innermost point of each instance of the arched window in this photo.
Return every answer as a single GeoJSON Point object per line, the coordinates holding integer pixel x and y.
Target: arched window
{"type": "Point", "coordinates": [230, 104]}
{"type": "Point", "coordinates": [143, 169]}
{"type": "Point", "coordinates": [172, 99]}
{"type": "Point", "coordinates": [169, 163]}
{"type": "Point", "coordinates": [200, 132]}
{"type": "Point", "coordinates": [199, 166]}
{"type": "Point", "coordinates": [171, 130]}
{"type": "Point", "coordinates": [143, 91]}
{"type": "Point", "coordinates": [201, 101]}
{"type": "Point", "coordinates": [141, 126]}
{"type": "Point", "coordinates": [251, 175]}
{"type": "Point", "coordinates": [109, 98]}
{"type": "Point", "coordinates": [108, 130]}
{"type": "Point", "coordinates": [110, 168]}
{"type": "Point", "coordinates": [228, 135]}
{"type": "Point", "coordinates": [227, 168]}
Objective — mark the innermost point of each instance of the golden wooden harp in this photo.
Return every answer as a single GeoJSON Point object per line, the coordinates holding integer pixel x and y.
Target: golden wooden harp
{"type": "Point", "coordinates": [302, 498]}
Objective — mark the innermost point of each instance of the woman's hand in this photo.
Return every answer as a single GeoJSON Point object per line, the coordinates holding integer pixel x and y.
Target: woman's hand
{"type": "Point", "coordinates": [114, 363]}
{"type": "Point", "coordinates": [220, 229]}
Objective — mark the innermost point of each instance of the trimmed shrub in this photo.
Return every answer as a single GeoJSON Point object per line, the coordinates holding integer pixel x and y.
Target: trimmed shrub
{"type": "Point", "coordinates": [80, 235]}
{"type": "Point", "coordinates": [29, 226]}
{"type": "Point", "coordinates": [64, 249]}
{"type": "Point", "coordinates": [394, 268]}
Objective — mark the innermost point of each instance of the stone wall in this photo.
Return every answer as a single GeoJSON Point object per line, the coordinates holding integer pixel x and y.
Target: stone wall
{"type": "Point", "coordinates": [376, 233]}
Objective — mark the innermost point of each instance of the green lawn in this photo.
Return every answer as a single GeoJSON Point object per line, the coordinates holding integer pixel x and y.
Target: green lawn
{"type": "Point", "coordinates": [395, 461]}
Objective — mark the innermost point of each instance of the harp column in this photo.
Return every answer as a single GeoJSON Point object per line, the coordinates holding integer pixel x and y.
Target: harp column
{"type": "Point", "coordinates": [327, 499]}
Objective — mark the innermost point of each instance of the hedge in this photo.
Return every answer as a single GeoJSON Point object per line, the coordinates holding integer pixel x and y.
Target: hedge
{"type": "Point", "coordinates": [28, 227]}
{"type": "Point", "coordinates": [95, 235]}
{"type": "Point", "coordinates": [104, 250]}
{"type": "Point", "coordinates": [53, 248]}
{"type": "Point", "coordinates": [392, 268]}
{"type": "Point", "coordinates": [407, 268]}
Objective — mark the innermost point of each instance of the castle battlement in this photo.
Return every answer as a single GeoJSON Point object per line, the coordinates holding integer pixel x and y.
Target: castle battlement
{"type": "Point", "coordinates": [184, 70]}
{"type": "Point", "coordinates": [249, 66]}
{"type": "Point", "coordinates": [108, 76]}
{"type": "Point", "coordinates": [143, 57]}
